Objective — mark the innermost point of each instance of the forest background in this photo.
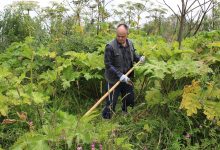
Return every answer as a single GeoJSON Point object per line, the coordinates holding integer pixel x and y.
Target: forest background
{"type": "Point", "coordinates": [51, 73]}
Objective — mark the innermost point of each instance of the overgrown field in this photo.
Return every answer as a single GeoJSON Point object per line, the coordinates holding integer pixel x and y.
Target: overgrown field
{"type": "Point", "coordinates": [47, 85]}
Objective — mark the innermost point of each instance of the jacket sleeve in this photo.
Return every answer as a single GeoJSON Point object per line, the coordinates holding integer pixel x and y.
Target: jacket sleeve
{"type": "Point", "coordinates": [135, 55]}
{"type": "Point", "coordinates": [108, 60]}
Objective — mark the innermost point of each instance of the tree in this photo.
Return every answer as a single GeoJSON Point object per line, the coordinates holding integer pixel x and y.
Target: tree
{"type": "Point", "coordinates": [139, 8]}
{"type": "Point", "coordinates": [215, 15]}
{"type": "Point", "coordinates": [102, 14]}
{"type": "Point", "coordinates": [17, 24]}
{"type": "Point", "coordinates": [198, 11]}
{"type": "Point", "coordinates": [26, 5]}
{"type": "Point", "coordinates": [54, 18]}
{"type": "Point", "coordinates": [125, 13]}
{"type": "Point", "coordinates": [157, 14]}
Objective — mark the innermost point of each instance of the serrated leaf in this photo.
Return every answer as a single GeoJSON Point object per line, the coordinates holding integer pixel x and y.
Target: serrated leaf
{"type": "Point", "coordinates": [88, 76]}
{"type": "Point", "coordinates": [3, 110]}
{"type": "Point", "coordinates": [70, 75]}
{"type": "Point", "coordinates": [211, 110]}
{"type": "Point", "coordinates": [4, 72]}
{"type": "Point", "coordinates": [120, 141]}
{"type": "Point", "coordinates": [218, 123]}
{"type": "Point", "coordinates": [43, 51]}
{"type": "Point", "coordinates": [39, 97]}
{"type": "Point", "coordinates": [13, 93]}
{"type": "Point", "coordinates": [174, 94]}
{"type": "Point", "coordinates": [3, 105]}
{"type": "Point", "coordinates": [191, 97]}
{"type": "Point", "coordinates": [125, 146]}
{"type": "Point", "coordinates": [191, 103]}
{"type": "Point", "coordinates": [188, 68]}
{"type": "Point", "coordinates": [154, 97]}
{"type": "Point", "coordinates": [49, 76]}
{"type": "Point", "coordinates": [65, 84]}
{"type": "Point", "coordinates": [27, 51]}
{"type": "Point", "coordinates": [40, 144]}
{"type": "Point", "coordinates": [52, 54]}
{"type": "Point", "coordinates": [147, 128]}
{"type": "Point", "coordinates": [20, 78]}
{"type": "Point", "coordinates": [95, 61]}
{"type": "Point", "coordinates": [154, 69]}
{"type": "Point", "coordinates": [31, 141]}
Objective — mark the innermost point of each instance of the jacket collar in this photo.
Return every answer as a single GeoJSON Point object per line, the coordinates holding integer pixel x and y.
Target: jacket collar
{"type": "Point", "coordinates": [120, 45]}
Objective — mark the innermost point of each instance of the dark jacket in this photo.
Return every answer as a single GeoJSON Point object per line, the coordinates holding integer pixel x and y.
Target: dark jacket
{"type": "Point", "coordinates": [118, 60]}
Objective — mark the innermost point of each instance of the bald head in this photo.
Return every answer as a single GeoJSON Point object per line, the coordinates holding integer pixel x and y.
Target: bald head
{"type": "Point", "coordinates": [122, 33]}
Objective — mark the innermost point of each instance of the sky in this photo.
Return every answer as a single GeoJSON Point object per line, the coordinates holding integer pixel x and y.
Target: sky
{"type": "Point", "coordinates": [44, 3]}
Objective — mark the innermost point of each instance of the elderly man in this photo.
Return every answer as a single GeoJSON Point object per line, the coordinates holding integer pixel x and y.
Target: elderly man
{"type": "Point", "coordinates": [119, 58]}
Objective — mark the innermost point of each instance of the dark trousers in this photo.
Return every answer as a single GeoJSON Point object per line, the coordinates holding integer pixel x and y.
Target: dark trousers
{"type": "Point", "coordinates": [127, 93]}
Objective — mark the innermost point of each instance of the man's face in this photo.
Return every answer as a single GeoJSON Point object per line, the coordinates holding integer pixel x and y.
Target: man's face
{"type": "Point", "coordinates": [122, 35]}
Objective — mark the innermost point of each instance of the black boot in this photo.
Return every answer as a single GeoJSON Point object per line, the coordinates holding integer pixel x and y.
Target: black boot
{"type": "Point", "coordinates": [106, 113]}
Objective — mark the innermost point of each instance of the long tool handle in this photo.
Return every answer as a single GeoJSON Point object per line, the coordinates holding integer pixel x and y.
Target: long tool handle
{"type": "Point", "coordinates": [108, 92]}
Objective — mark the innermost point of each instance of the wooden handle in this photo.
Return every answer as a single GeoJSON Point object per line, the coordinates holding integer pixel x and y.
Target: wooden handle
{"type": "Point", "coordinates": [108, 92]}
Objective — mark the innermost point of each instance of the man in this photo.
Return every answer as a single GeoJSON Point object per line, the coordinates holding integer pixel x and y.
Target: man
{"type": "Point", "coordinates": [119, 58]}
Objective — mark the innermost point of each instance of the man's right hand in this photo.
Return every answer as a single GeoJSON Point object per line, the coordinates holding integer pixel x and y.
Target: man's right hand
{"type": "Point", "coordinates": [125, 79]}
{"type": "Point", "coordinates": [142, 59]}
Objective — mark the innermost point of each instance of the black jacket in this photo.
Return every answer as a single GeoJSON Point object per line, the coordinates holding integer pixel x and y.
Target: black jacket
{"type": "Point", "coordinates": [118, 60]}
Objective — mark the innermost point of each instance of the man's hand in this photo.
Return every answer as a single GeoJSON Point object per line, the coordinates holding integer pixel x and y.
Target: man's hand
{"type": "Point", "coordinates": [125, 79]}
{"type": "Point", "coordinates": [142, 59]}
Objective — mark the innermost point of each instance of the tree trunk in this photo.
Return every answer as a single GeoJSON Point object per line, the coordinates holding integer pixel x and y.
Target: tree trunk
{"type": "Point", "coordinates": [138, 22]}
{"type": "Point", "coordinates": [98, 19]}
{"type": "Point", "coordinates": [181, 29]}
{"type": "Point", "coordinates": [213, 15]}
{"type": "Point", "coordinates": [159, 25]}
{"type": "Point", "coordinates": [182, 23]}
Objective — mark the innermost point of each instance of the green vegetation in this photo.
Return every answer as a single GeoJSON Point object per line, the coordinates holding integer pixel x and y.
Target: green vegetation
{"type": "Point", "coordinates": [50, 75]}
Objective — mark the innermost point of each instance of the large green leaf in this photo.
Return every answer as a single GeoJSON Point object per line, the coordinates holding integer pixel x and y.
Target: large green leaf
{"type": "Point", "coordinates": [31, 141]}
{"type": "Point", "coordinates": [27, 51]}
{"type": "Point", "coordinates": [154, 97]}
{"type": "Point", "coordinates": [48, 76]}
{"type": "Point", "coordinates": [69, 74]}
{"type": "Point", "coordinates": [95, 61]}
{"type": "Point", "coordinates": [39, 97]}
{"type": "Point", "coordinates": [153, 69]}
{"type": "Point", "coordinates": [4, 72]}
{"type": "Point", "coordinates": [188, 68]}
